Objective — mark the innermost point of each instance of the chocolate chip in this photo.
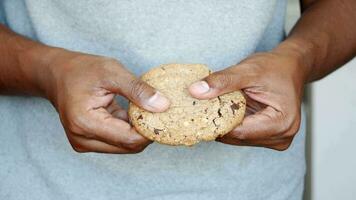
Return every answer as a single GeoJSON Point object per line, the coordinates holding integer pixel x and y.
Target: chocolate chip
{"type": "Point", "coordinates": [234, 106]}
{"type": "Point", "coordinates": [219, 113]}
{"type": "Point", "coordinates": [156, 131]}
{"type": "Point", "coordinates": [192, 120]}
{"type": "Point", "coordinates": [139, 117]}
{"type": "Point", "coordinates": [215, 122]}
{"type": "Point", "coordinates": [194, 102]}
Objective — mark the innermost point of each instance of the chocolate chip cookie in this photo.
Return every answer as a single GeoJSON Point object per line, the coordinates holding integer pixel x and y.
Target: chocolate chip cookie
{"type": "Point", "coordinates": [188, 120]}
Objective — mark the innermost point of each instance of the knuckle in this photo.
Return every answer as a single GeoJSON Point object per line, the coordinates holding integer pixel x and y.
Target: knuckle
{"type": "Point", "coordinates": [73, 126]}
{"type": "Point", "coordinates": [284, 124]}
{"type": "Point", "coordinates": [235, 135]}
{"type": "Point", "coordinates": [282, 147]}
{"type": "Point", "coordinates": [138, 88]}
{"type": "Point", "coordinates": [117, 142]}
{"type": "Point", "coordinates": [293, 127]}
{"type": "Point", "coordinates": [135, 146]}
{"type": "Point", "coordinates": [290, 133]}
{"type": "Point", "coordinates": [78, 148]}
{"type": "Point", "coordinates": [138, 150]}
{"type": "Point", "coordinates": [220, 80]}
{"type": "Point", "coordinates": [296, 125]}
{"type": "Point", "coordinates": [108, 63]}
{"type": "Point", "coordinates": [240, 136]}
{"type": "Point", "coordinates": [79, 125]}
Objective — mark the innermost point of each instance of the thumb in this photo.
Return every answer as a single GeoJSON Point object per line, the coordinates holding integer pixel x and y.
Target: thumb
{"type": "Point", "coordinates": [220, 82]}
{"type": "Point", "coordinates": [140, 93]}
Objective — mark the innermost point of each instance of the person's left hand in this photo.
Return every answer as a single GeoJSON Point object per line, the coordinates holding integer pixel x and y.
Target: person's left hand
{"type": "Point", "coordinates": [273, 85]}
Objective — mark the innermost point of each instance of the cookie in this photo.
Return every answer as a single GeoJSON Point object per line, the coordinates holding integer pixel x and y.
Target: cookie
{"type": "Point", "coordinates": [188, 120]}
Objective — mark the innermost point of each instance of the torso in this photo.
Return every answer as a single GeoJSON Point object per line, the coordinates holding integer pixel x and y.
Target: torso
{"type": "Point", "coordinates": [143, 34]}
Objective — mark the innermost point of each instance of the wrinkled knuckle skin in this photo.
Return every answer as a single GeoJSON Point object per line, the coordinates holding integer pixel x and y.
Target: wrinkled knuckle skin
{"type": "Point", "coordinates": [294, 127]}
{"type": "Point", "coordinates": [220, 80]}
{"type": "Point", "coordinates": [283, 122]}
{"type": "Point", "coordinates": [74, 125]}
{"type": "Point", "coordinates": [138, 89]}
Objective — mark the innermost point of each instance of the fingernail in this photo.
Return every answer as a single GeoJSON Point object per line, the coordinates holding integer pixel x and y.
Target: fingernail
{"type": "Point", "coordinates": [199, 87]}
{"type": "Point", "coordinates": [158, 101]}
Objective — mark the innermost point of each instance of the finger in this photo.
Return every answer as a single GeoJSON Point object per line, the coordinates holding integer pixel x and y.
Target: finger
{"type": "Point", "coordinates": [252, 106]}
{"type": "Point", "coordinates": [117, 111]}
{"type": "Point", "coordinates": [262, 125]}
{"type": "Point", "coordinates": [221, 82]}
{"type": "Point", "coordinates": [83, 145]}
{"type": "Point", "coordinates": [139, 92]}
{"type": "Point", "coordinates": [277, 144]}
{"type": "Point", "coordinates": [236, 141]}
{"type": "Point", "coordinates": [101, 125]}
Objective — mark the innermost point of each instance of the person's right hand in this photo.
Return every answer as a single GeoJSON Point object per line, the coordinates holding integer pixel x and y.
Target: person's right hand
{"type": "Point", "coordinates": [82, 88]}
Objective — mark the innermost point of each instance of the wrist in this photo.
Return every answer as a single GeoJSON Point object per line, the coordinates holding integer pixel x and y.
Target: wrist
{"type": "Point", "coordinates": [302, 53]}
{"type": "Point", "coordinates": [35, 63]}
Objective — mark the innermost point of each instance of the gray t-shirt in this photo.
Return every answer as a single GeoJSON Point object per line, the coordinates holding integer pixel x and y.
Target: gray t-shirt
{"type": "Point", "coordinates": [36, 160]}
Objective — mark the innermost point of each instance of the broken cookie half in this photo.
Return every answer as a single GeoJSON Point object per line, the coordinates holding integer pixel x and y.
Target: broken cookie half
{"type": "Point", "coordinates": [188, 120]}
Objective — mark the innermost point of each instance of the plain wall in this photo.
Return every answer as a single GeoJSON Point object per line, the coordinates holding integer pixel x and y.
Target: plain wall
{"type": "Point", "coordinates": [334, 135]}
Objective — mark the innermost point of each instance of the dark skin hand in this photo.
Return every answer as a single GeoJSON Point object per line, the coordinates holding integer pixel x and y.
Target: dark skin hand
{"type": "Point", "coordinates": [82, 87]}
{"type": "Point", "coordinates": [322, 40]}
{"type": "Point", "coordinates": [273, 93]}
{"type": "Point", "coordinates": [83, 91]}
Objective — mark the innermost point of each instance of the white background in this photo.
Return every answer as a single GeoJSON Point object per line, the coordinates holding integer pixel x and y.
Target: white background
{"type": "Point", "coordinates": [334, 136]}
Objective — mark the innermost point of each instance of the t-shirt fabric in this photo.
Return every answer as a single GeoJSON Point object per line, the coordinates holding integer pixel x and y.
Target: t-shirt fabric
{"type": "Point", "coordinates": [37, 161]}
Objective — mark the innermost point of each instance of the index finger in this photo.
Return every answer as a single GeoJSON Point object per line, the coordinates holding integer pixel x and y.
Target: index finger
{"type": "Point", "coordinates": [114, 131]}
{"type": "Point", "coordinates": [265, 124]}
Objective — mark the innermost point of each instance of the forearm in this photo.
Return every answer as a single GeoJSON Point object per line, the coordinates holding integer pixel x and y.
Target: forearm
{"type": "Point", "coordinates": [325, 37]}
{"type": "Point", "coordinates": [23, 64]}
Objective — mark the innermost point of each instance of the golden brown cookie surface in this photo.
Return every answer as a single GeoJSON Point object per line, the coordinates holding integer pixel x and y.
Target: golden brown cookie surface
{"type": "Point", "coordinates": [188, 120]}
